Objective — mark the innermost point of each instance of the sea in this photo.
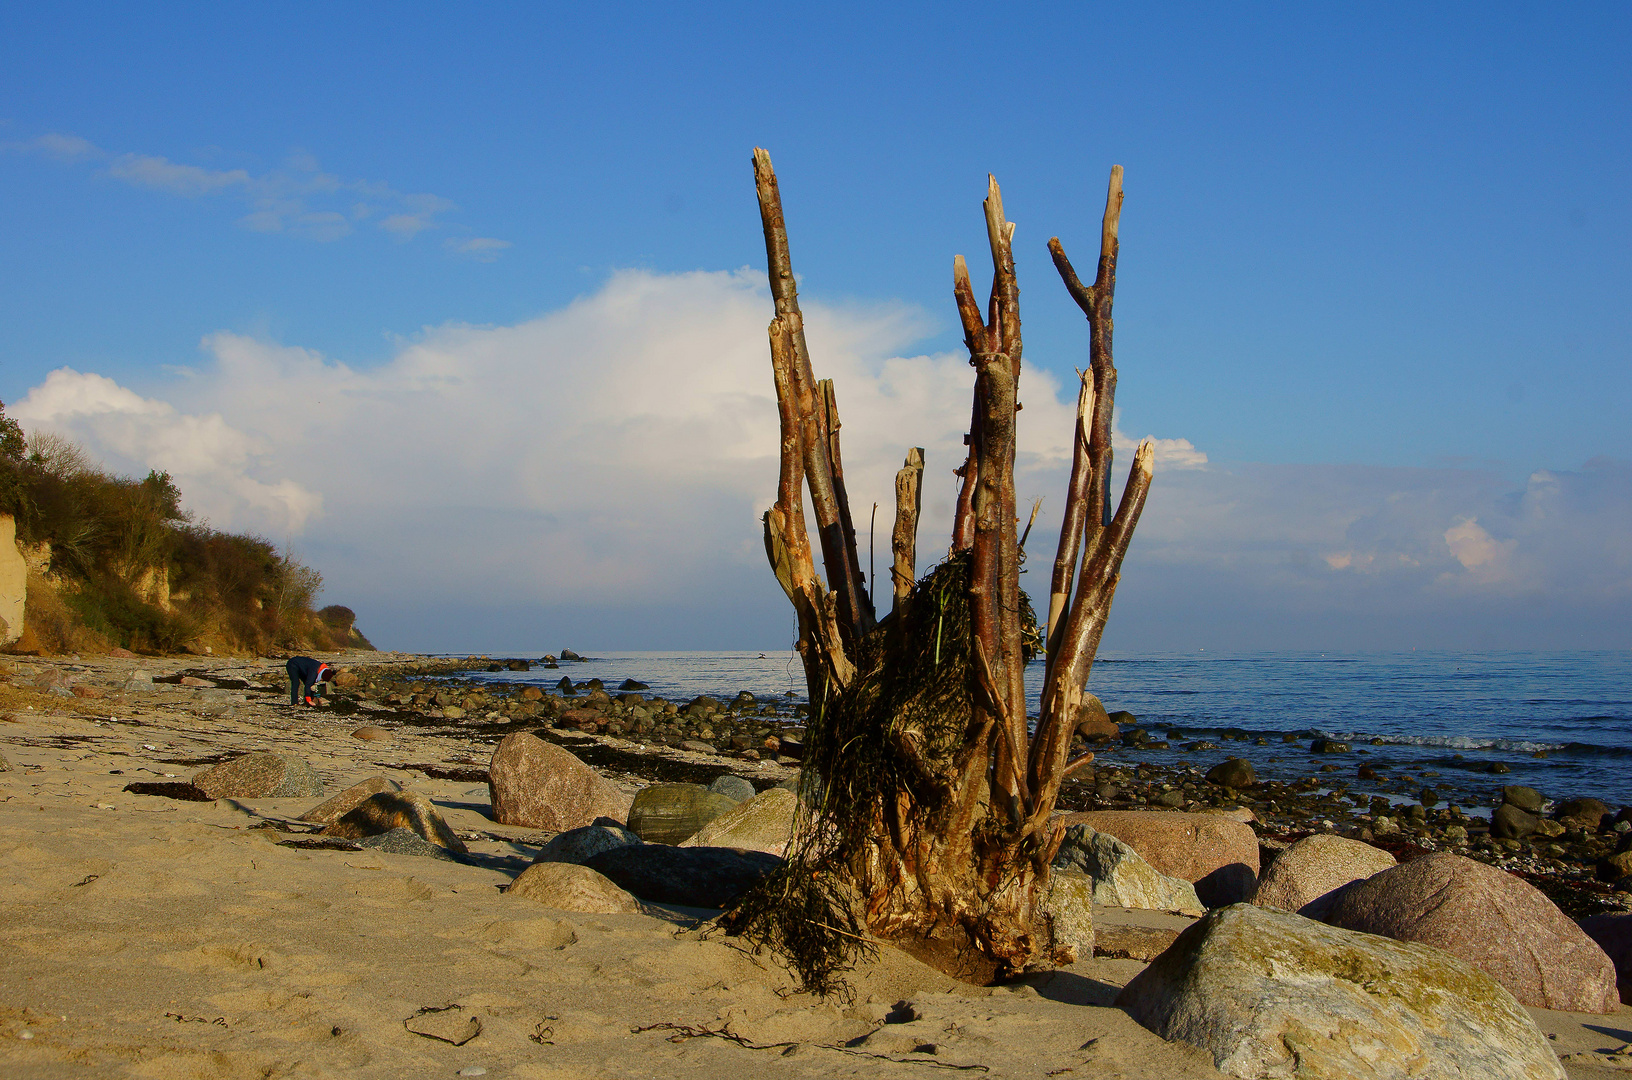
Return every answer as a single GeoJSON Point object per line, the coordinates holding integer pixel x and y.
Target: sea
{"type": "Point", "coordinates": [1444, 721]}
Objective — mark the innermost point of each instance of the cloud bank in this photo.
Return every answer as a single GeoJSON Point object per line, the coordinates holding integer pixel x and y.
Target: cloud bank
{"type": "Point", "coordinates": [299, 198]}
{"type": "Point", "coordinates": [595, 476]}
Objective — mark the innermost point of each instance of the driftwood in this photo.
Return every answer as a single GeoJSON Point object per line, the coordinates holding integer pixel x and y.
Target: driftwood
{"type": "Point", "coordinates": [932, 791]}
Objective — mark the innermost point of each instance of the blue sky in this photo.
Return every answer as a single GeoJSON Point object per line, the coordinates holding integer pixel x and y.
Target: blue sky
{"type": "Point", "coordinates": [1371, 259]}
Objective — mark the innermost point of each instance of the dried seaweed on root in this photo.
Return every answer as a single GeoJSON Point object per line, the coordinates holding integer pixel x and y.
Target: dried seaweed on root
{"type": "Point", "coordinates": [914, 684]}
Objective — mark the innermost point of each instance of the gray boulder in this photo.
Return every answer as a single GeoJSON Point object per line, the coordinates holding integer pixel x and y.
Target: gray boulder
{"type": "Point", "coordinates": [1119, 877]}
{"type": "Point", "coordinates": [732, 786]}
{"type": "Point", "coordinates": [261, 775]}
{"type": "Point", "coordinates": [584, 843]}
{"type": "Point", "coordinates": [1070, 905]}
{"type": "Point", "coordinates": [1272, 994]}
{"type": "Point", "coordinates": [405, 841]}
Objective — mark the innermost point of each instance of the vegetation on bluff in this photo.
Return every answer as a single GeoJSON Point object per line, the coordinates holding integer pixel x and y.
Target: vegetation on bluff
{"type": "Point", "coordinates": [115, 561]}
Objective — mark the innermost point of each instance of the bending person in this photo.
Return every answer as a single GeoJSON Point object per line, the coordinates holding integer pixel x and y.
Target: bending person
{"type": "Point", "coordinates": [306, 676]}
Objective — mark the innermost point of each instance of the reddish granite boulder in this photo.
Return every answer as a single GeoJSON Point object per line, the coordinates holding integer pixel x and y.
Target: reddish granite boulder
{"type": "Point", "coordinates": [1489, 918]}
{"type": "Point", "coordinates": [541, 786]}
{"type": "Point", "coordinates": [1093, 722]}
{"type": "Point", "coordinates": [1315, 866]}
{"type": "Point", "coordinates": [1216, 854]}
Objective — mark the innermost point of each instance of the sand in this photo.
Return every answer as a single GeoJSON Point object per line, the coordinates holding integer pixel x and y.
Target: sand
{"type": "Point", "coordinates": [144, 936]}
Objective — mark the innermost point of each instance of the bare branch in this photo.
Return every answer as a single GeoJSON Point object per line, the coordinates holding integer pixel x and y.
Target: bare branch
{"type": "Point", "coordinates": [904, 539]}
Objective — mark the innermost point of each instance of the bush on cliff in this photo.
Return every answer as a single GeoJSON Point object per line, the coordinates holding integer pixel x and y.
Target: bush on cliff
{"type": "Point", "coordinates": [117, 561]}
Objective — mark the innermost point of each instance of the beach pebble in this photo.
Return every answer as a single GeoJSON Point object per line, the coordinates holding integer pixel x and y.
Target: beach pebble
{"type": "Point", "coordinates": [1525, 798]}
{"type": "Point", "coordinates": [1119, 877]}
{"type": "Point", "coordinates": [1314, 867]}
{"type": "Point", "coordinates": [258, 776]}
{"type": "Point", "coordinates": [1509, 822]}
{"type": "Point", "coordinates": [1233, 773]}
{"type": "Point", "coordinates": [1489, 918]}
{"type": "Point", "coordinates": [1268, 993]}
{"type": "Point", "coordinates": [697, 746]}
{"type": "Point", "coordinates": [541, 786]}
{"type": "Point", "coordinates": [569, 887]}
{"type": "Point", "coordinates": [372, 734]}
{"type": "Point", "coordinates": [472, 1070]}
{"type": "Point", "coordinates": [1217, 855]}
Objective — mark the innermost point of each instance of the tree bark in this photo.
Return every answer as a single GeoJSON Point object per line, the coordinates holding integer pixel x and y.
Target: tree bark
{"type": "Point", "coordinates": [938, 798]}
{"type": "Point", "coordinates": [904, 538]}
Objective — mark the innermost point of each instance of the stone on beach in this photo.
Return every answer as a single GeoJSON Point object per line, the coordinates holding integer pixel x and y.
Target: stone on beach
{"type": "Point", "coordinates": [541, 786]}
{"type": "Point", "coordinates": [327, 813]}
{"type": "Point", "coordinates": [1489, 918]}
{"type": "Point", "coordinates": [732, 786]}
{"type": "Point", "coordinates": [762, 823]}
{"type": "Point", "coordinates": [379, 814]}
{"type": "Point", "coordinates": [1585, 813]}
{"type": "Point", "coordinates": [1233, 773]}
{"type": "Point", "coordinates": [691, 877]}
{"type": "Point", "coordinates": [579, 845]}
{"type": "Point", "coordinates": [1316, 866]}
{"type": "Point", "coordinates": [1216, 854]}
{"type": "Point", "coordinates": [368, 733]}
{"type": "Point", "coordinates": [1119, 877]}
{"type": "Point", "coordinates": [404, 841]}
{"type": "Point", "coordinates": [260, 775]}
{"type": "Point", "coordinates": [1269, 993]}
{"type": "Point", "coordinates": [669, 813]}
{"type": "Point", "coordinates": [1069, 903]}
{"type": "Point", "coordinates": [566, 886]}
{"type": "Point", "coordinates": [1093, 722]}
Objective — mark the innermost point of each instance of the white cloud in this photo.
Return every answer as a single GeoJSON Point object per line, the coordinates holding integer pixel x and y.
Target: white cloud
{"type": "Point", "coordinates": [160, 174]}
{"type": "Point", "coordinates": [299, 198]}
{"type": "Point", "coordinates": [212, 462]}
{"type": "Point", "coordinates": [480, 248]}
{"type": "Point", "coordinates": [615, 455]}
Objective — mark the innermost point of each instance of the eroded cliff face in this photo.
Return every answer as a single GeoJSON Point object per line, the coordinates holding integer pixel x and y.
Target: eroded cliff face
{"type": "Point", "coordinates": [13, 582]}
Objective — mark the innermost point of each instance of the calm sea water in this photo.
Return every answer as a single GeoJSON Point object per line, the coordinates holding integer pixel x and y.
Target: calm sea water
{"type": "Point", "coordinates": [1443, 718]}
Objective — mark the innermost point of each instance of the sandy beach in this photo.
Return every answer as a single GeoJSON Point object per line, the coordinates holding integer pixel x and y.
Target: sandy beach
{"type": "Point", "coordinates": [149, 936]}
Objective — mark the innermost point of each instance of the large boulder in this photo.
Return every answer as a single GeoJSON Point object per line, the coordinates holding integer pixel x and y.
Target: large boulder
{"type": "Point", "coordinates": [327, 813]}
{"type": "Point", "coordinates": [669, 813]}
{"type": "Point", "coordinates": [538, 785]}
{"type": "Point", "coordinates": [570, 887]}
{"type": "Point", "coordinates": [1217, 855]}
{"type": "Point", "coordinates": [1118, 877]}
{"type": "Point", "coordinates": [1489, 918]}
{"type": "Point", "coordinates": [1510, 821]}
{"type": "Point", "coordinates": [579, 845]}
{"type": "Point", "coordinates": [261, 775]}
{"type": "Point", "coordinates": [1315, 866]}
{"type": "Point", "coordinates": [1271, 994]}
{"type": "Point", "coordinates": [691, 877]}
{"type": "Point", "coordinates": [1069, 903]}
{"type": "Point", "coordinates": [380, 814]}
{"type": "Point", "coordinates": [763, 823]}
{"type": "Point", "coordinates": [1613, 933]}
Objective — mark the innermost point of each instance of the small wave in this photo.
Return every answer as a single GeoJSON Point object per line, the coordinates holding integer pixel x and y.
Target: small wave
{"type": "Point", "coordinates": [1516, 746]}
